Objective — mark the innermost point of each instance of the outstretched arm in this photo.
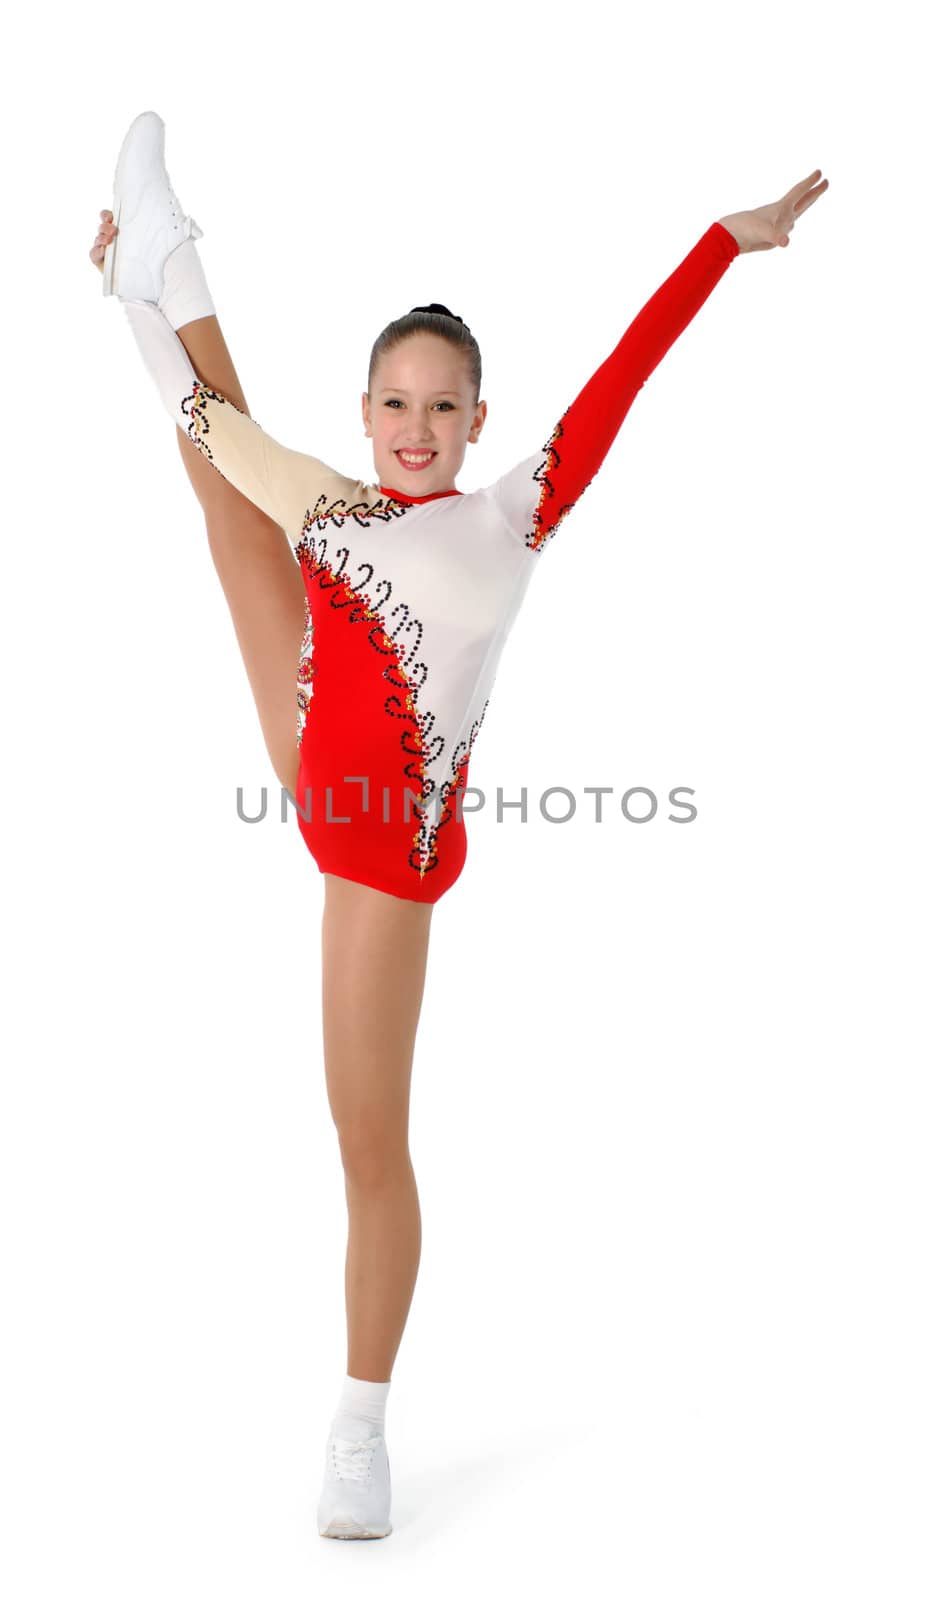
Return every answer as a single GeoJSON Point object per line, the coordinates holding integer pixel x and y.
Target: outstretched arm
{"type": "Point", "coordinates": [539, 491]}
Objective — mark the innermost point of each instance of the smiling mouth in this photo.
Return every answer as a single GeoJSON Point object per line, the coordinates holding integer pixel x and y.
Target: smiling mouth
{"type": "Point", "coordinates": [415, 460]}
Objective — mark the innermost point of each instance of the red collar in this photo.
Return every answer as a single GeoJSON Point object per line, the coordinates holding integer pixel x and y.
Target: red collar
{"type": "Point", "coordinates": [416, 499]}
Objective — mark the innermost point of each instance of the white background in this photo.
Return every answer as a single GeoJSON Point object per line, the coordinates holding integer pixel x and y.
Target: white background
{"type": "Point", "coordinates": [667, 1107]}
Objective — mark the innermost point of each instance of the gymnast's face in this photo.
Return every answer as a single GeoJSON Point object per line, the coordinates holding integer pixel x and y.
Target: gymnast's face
{"type": "Point", "coordinates": [422, 403]}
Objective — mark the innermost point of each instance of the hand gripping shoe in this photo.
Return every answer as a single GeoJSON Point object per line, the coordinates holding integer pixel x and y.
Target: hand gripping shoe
{"type": "Point", "coordinates": [357, 1491]}
{"type": "Point", "coordinates": [147, 213]}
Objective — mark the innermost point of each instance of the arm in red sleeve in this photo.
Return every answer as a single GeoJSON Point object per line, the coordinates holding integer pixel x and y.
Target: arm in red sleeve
{"type": "Point", "coordinates": [537, 494]}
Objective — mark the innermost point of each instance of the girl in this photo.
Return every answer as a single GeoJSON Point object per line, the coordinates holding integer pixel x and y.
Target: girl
{"type": "Point", "coordinates": [371, 657]}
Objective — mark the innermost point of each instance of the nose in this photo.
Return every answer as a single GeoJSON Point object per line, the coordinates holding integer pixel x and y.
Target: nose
{"type": "Point", "coordinates": [422, 436]}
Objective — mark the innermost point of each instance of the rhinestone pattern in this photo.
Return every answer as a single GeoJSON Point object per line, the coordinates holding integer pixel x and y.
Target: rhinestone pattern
{"type": "Point", "coordinates": [369, 602]}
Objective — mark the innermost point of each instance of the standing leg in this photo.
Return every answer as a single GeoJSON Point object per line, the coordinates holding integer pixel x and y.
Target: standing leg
{"type": "Point", "coordinates": [374, 958]}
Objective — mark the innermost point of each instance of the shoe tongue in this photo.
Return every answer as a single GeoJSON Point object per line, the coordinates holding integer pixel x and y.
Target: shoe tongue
{"type": "Point", "coordinates": [347, 1426]}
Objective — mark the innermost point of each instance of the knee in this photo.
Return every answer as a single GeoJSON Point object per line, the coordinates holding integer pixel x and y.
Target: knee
{"type": "Point", "coordinates": [373, 1152]}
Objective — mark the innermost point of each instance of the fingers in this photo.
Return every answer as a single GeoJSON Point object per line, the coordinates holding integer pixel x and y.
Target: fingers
{"type": "Point", "coordinates": [800, 189]}
{"type": "Point", "coordinates": [799, 199]}
{"type": "Point", "coordinates": [105, 234]}
{"type": "Point", "coordinates": [811, 198]}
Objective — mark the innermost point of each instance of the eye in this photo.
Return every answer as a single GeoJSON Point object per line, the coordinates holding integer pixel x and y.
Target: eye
{"type": "Point", "coordinates": [394, 401]}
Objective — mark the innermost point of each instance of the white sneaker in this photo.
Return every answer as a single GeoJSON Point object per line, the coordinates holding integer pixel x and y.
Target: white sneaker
{"type": "Point", "coordinates": [147, 213]}
{"type": "Point", "coordinates": [357, 1493]}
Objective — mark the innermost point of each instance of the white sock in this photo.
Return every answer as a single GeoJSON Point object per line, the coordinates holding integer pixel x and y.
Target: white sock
{"type": "Point", "coordinates": [186, 294]}
{"type": "Point", "coordinates": [362, 1408]}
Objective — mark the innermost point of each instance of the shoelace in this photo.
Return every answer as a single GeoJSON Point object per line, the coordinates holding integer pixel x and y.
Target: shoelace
{"type": "Point", "coordinates": [190, 228]}
{"type": "Point", "coordinates": [352, 1457]}
{"type": "Point", "coordinates": [174, 202]}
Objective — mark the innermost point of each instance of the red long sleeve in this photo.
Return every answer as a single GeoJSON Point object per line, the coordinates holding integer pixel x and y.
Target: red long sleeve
{"type": "Point", "coordinates": [587, 429]}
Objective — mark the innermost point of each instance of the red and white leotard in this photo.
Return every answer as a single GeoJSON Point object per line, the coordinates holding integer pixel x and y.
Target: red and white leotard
{"type": "Point", "coordinates": [410, 599]}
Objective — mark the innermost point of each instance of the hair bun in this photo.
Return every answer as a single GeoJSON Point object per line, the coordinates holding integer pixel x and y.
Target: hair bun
{"type": "Point", "coordinates": [443, 311]}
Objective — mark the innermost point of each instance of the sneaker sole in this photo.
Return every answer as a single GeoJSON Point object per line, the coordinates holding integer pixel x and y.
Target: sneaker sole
{"type": "Point", "coordinates": [346, 1528]}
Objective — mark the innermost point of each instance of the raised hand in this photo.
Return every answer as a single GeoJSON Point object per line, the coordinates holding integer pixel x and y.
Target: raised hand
{"type": "Point", "coordinates": [768, 226]}
{"type": "Point", "coordinates": [107, 232]}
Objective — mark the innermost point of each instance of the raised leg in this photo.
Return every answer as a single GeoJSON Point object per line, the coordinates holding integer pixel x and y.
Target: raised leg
{"type": "Point", "coordinates": [255, 564]}
{"type": "Point", "coordinates": [252, 555]}
{"type": "Point", "coordinates": [374, 959]}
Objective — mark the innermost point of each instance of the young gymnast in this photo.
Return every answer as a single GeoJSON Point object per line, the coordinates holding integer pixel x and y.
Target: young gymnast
{"type": "Point", "coordinates": [372, 618]}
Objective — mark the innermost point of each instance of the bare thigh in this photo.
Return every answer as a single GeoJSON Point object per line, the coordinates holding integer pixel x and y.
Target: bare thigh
{"type": "Point", "coordinates": [374, 960]}
{"type": "Point", "coordinates": [262, 583]}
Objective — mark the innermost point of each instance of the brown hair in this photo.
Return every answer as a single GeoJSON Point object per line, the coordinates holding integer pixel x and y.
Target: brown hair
{"type": "Point", "coordinates": [437, 319]}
